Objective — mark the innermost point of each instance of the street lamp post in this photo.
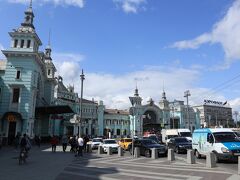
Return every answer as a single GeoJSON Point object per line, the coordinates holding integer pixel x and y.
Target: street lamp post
{"type": "Point", "coordinates": [82, 77]}
{"type": "Point", "coordinates": [236, 115]}
{"type": "Point", "coordinates": [173, 116]}
{"type": "Point", "coordinates": [186, 94]}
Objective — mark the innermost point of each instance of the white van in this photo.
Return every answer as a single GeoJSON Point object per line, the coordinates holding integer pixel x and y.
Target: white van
{"type": "Point", "coordinates": [167, 134]}
{"type": "Point", "coordinates": [222, 142]}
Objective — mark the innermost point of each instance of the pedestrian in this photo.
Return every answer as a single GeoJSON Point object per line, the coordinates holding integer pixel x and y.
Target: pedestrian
{"type": "Point", "coordinates": [23, 142]}
{"type": "Point", "coordinates": [37, 140]}
{"type": "Point", "coordinates": [54, 142]}
{"type": "Point", "coordinates": [64, 142]}
{"type": "Point", "coordinates": [16, 141]}
{"type": "Point", "coordinates": [80, 146]}
{"type": "Point", "coordinates": [85, 141]}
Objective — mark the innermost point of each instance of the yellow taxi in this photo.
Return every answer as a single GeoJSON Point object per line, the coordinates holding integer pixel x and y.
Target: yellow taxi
{"type": "Point", "coordinates": [124, 142]}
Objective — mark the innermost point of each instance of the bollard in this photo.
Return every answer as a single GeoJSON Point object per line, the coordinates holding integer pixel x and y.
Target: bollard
{"type": "Point", "coordinates": [120, 151]}
{"type": "Point", "coordinates": [210, 161]}
{"type": "Point", "coordinates": [190, 157]}
{"type": "Point", "coordinates": [100, 150]}
{"type": "Point", "coordinates": [154, 153]}
{"type": "Point", "coordinates": [171, 156]}
{"type": "Point", "coordinates": [136, 152]}
{"type": "Point", "coordinates": [238, 164]}
{"type": "Point", "coordinates": [89, 148]}
{"type": "Point", "coordinates": [109, 151]}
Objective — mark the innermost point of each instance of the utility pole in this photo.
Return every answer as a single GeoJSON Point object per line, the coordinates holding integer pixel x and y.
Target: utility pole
{"type": "Point", "coordinates": [82, 77]}
{"type": "Point", "coordinates": [236, 115]}
{"type": "Point", "coordinates": [186, 94]}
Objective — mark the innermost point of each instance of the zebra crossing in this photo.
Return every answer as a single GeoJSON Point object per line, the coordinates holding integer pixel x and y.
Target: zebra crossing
{"type": "Point", "coordinates": [104, 167]}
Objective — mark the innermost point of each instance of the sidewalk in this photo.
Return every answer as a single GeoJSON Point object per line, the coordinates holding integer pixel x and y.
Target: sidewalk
{"type": "Point", "coordinates": [42, 164]}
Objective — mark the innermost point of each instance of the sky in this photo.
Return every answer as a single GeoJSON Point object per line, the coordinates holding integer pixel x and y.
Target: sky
{"type": "Point", "coordinates": [175, 45]}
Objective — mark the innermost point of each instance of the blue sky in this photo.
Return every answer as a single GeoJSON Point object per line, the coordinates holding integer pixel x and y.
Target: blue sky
{"type": "Point", "coordinates": [183, 44]}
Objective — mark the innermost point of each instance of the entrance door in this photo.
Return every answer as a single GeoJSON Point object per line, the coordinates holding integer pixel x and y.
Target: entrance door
{"type": "Point", "coordinates": [11, 132]}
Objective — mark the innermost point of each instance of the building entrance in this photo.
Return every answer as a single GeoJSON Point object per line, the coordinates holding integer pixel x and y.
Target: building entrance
{"type": "Point", "coordinates": [150, 123]}
{"type": "Point", "coordinates": [11, 132]}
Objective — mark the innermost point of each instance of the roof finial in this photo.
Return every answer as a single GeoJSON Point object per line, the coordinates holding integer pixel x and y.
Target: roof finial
{"type": "Point", "coordinates": [30, 4]}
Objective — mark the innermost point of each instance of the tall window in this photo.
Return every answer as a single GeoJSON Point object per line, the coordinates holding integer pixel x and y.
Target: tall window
{"type": "Point", "coordinates": [22, 43]}
{"type": "Point", "coordinates": [15, 43]}
{"type": "Point", "coordinates": [49, 72]}
{"type": "Point", "coordinates": [28, 43]}
{"type": "Point", "coordinates": [16, 93]}
{"type": "Point", "coordinates": [18, 75]}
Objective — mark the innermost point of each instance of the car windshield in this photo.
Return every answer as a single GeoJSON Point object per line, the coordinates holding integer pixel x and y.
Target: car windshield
{"type": "Point", "coordinates": [185, 134]}
{"type": "Point", "coordinates": [109, 142]}
{"type": "Point", "coordinates": [181, 140]}
{"type": "Point", "coordinates": [128, 140]}
{"type": "Point", "coordinates": [149, 141]}
{"type": "Point", "coordinates": [97, 140]}
{"type": "Point", "coordinates": [225, 137]}
{"type": "Point", "coordinates": [154, 138]}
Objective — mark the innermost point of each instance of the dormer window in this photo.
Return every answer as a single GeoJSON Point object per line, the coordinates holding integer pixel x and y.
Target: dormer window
{"type": "Point", "coordinates": [49, 72]}
{"type": "Point", "coordinates": [15, 43]}
{"type": "Point", "coordinates": [28, 43]}
{"type": "Point", "coordinates": [22, 43]}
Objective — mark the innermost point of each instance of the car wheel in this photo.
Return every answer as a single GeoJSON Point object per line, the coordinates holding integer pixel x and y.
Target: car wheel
{"type": "Point", "coordinates": [197, 154]}
{"type": "Point", "coordinates": [147, 153]}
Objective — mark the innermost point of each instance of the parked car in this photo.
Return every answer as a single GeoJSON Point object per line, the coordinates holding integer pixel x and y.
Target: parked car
{"type": "Point", "coordinates": [124, 143]}
{"type": "Point", "coordinates": [179, 144]}
{"type": "Point", "coordinates": [96, 142]}
{"type": "Point", "coordinates": [145, 146]}
{"type": "Point", "coordinates": [153, 137]}
{"type": "Point", "coordinates": [109, 143]}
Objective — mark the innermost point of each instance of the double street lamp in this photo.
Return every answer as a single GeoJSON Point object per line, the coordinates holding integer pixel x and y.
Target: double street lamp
{"type": "Point", "coordinates": [186, 94]}
{"type": "Point", "coordinates": [82, 77]}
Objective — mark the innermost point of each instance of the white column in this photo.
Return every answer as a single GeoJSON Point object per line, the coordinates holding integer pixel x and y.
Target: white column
{"type": "Point", "coordinates": [90, 127]}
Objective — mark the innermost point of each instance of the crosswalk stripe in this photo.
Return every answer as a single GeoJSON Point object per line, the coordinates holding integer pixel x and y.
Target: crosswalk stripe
{"type": "Point", "coordinates": [145, 172]}
{"type": "Point", "coordinates": [123, 173]}
{"type": "Point", "coordinates": [182, 168]}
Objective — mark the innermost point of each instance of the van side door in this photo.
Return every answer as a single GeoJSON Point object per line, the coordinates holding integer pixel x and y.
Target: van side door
{"type": "Point", "coordinates": [210, 143]}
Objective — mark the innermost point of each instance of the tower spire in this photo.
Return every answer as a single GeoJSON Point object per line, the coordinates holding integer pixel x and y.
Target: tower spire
{"type": "Point", "coordinates": [29, 15]}
{"type": "Point", "coordinates": [30, 6]}
{"type": "Point", "coordinates": [163, 93]}
{"type": "Point", "coordinates": [48, 49]}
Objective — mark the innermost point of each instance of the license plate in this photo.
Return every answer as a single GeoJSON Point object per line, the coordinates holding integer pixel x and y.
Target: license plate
{"type": "Point", "coordinates": [237, 154]}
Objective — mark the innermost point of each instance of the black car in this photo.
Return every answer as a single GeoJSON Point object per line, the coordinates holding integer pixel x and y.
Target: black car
{"type": "Point", "coordinates": [145, 146]}
{"type": "Point", "coordinates": [179, 144]}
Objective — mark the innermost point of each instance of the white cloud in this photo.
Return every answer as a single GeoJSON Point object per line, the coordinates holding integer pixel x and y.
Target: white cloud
{"type": "Point", "coordinates": [131, 6]}
{"type": "Point", "coordinates": [67, 65]}
{"type": "Point", "coordinates": [225, 32]}
{"type": "Point", "coordinates": [77, 3]}
{"type": "Point", "coordinates": [114, 90]}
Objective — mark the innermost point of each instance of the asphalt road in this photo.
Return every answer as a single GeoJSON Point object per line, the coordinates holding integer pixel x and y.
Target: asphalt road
{"type": "Point", "coordinates": [227, 165]}
{"type": "Point", "coordinates": [44, 164]}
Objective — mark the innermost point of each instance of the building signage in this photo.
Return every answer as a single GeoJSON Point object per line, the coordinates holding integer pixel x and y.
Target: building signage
{"type": "Point", "coordinates": [217, 103]}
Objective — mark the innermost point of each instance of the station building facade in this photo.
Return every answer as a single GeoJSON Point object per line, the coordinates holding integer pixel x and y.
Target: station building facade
{"type": "Point", "coordinates": [153, 117]}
